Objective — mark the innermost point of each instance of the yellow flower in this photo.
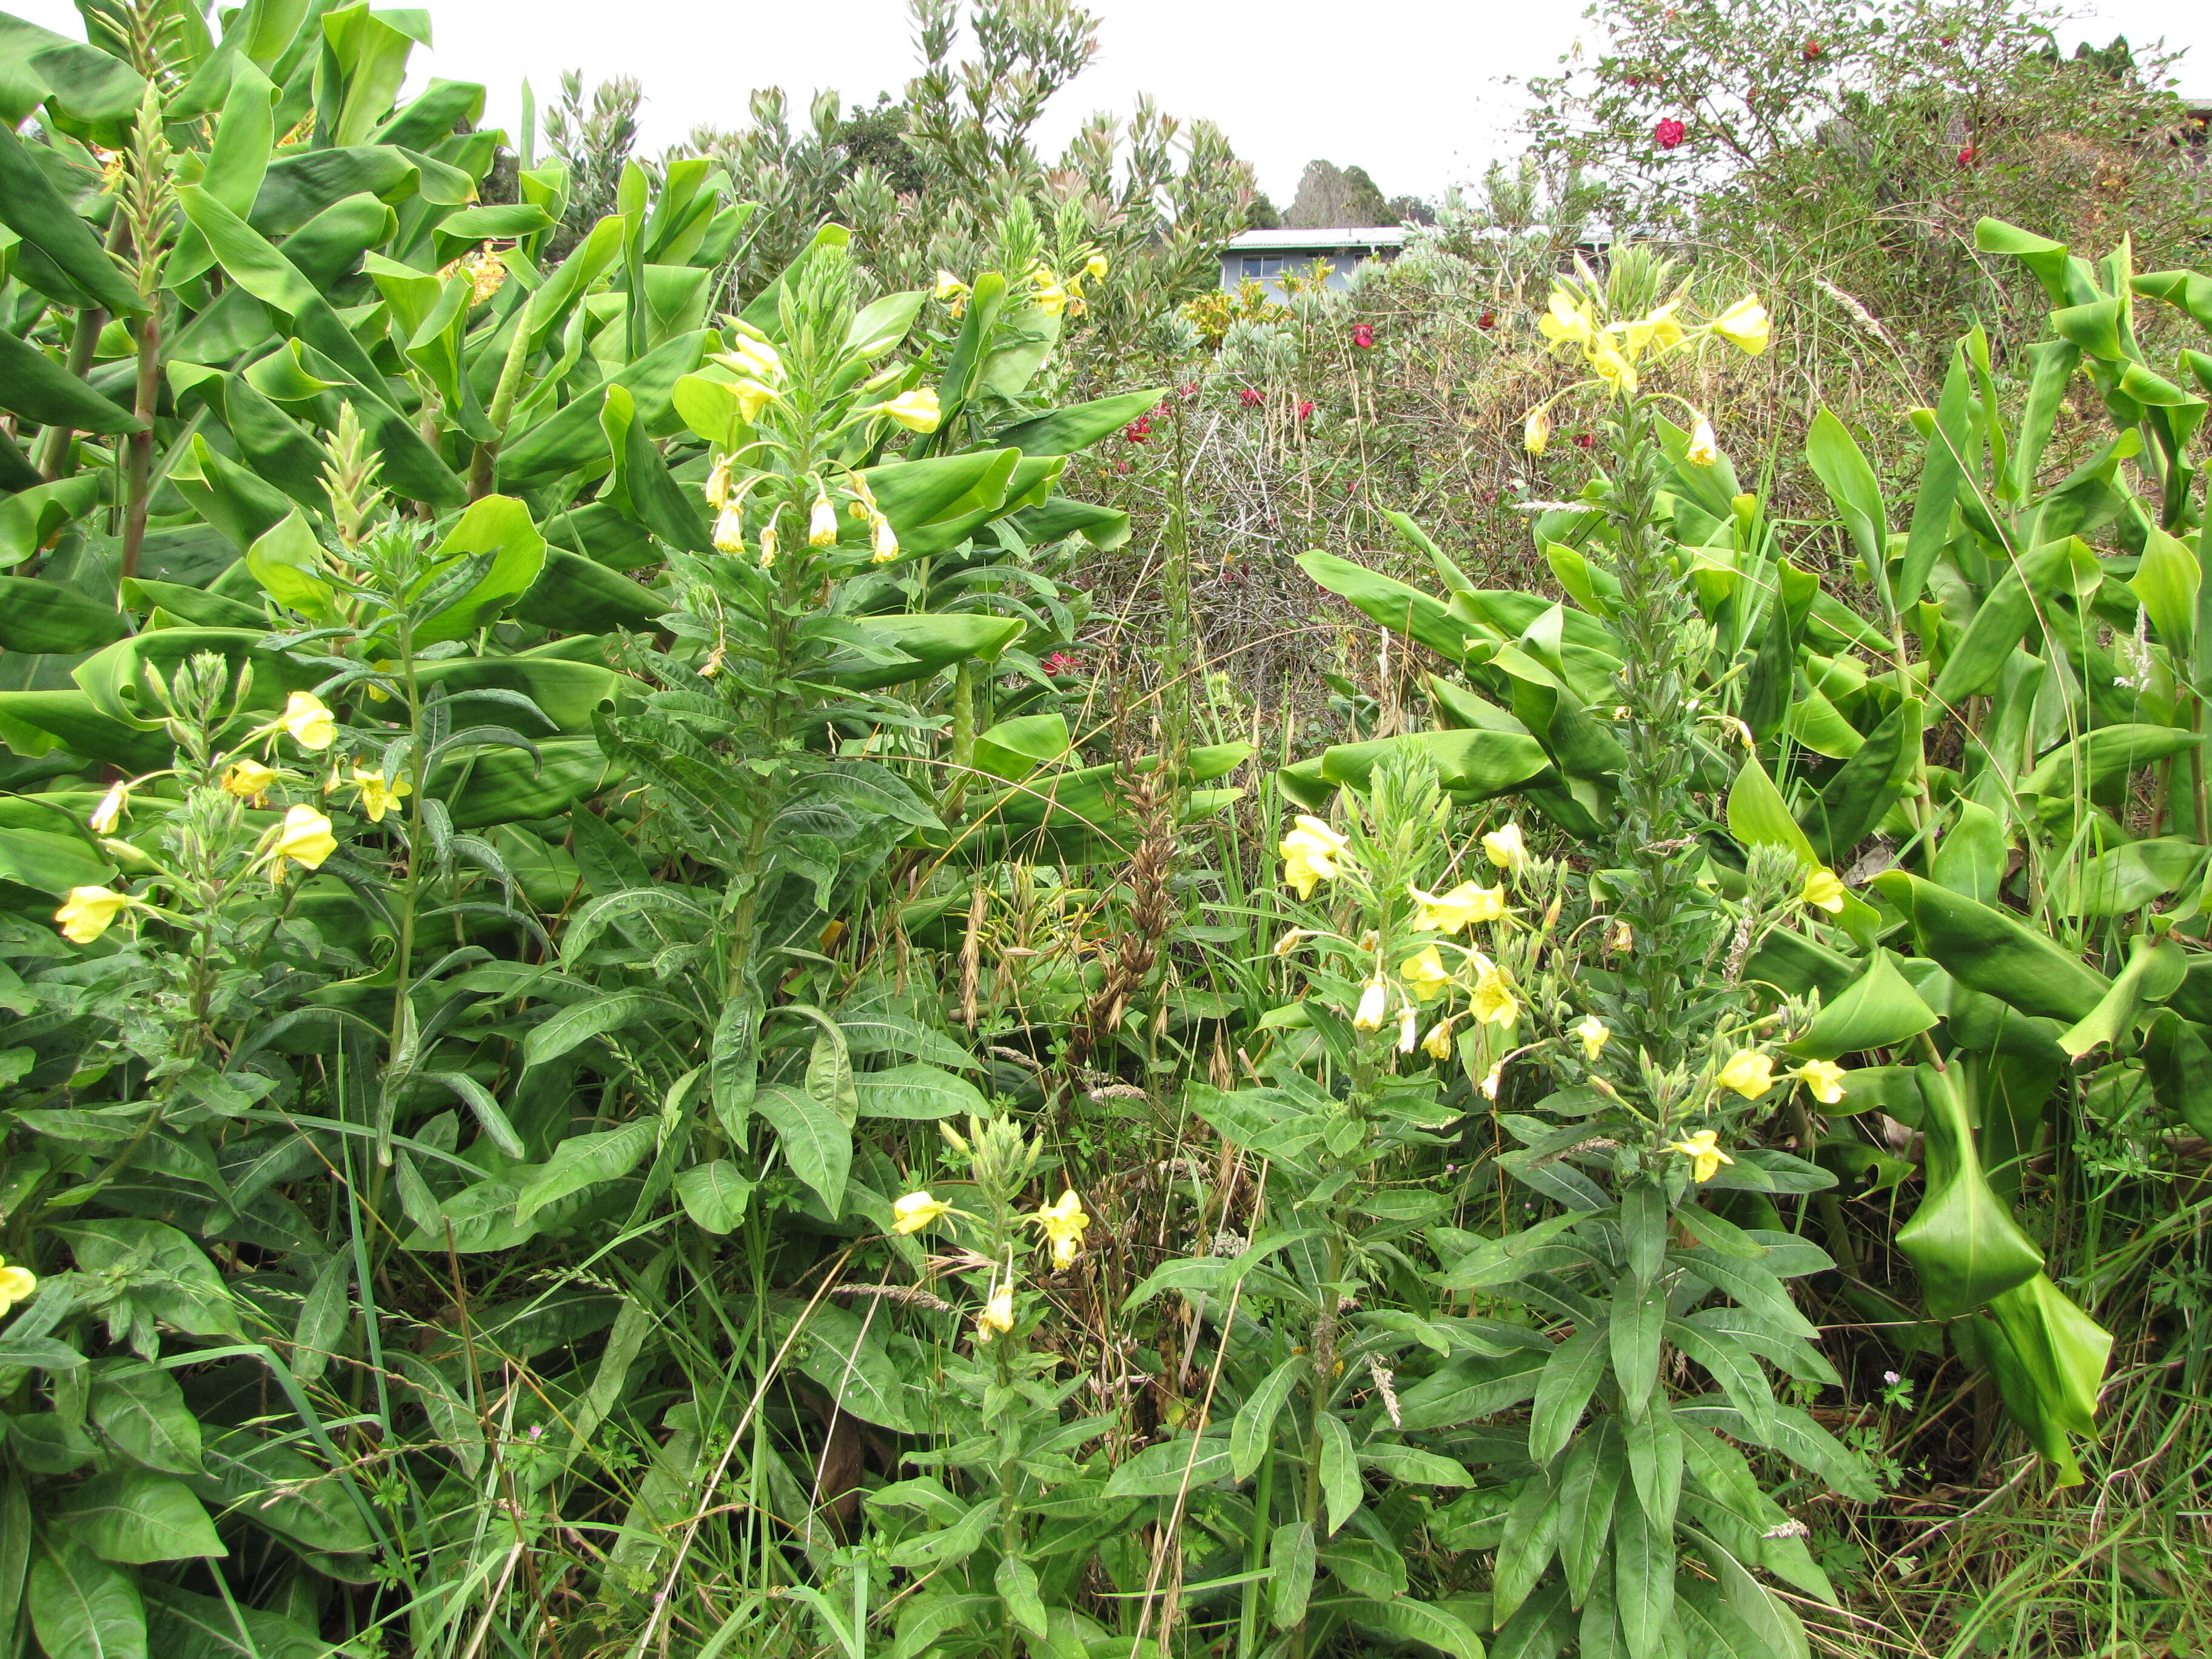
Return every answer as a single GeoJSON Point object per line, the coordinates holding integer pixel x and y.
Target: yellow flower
{"type": "Point", "coordinates": [885, 540]}
{"type": "Point", "coordinates": [1567, 320]}
{"type": "Point", "coordinates": [1096, 266]}
{"type": "Point", "coordinates": [729, 531]}
{"type": "Point", "coordinates": [1745, 326]}
{"type": "Point", "coordinates": [1049, 297]}
{"type": "Point", "coordinates": [1704, 1151]}
{"type": "Point", "coordinates": [305, 838]}
{"type": "Point", "coordinates": [1506, 849]}
{"type": "Point", "coordinates": [1623, 938]}
{"type": "Point", "coordinates": [311, 726]}
{"type": "Point", "coordinates": [916, 411]}
{"type": "Point", "coordinates": [768, 546]}
{"type": "Point", "coordinates": [1438, 1044]}
{"type": "Point", "coordinates": [109, 813]}
{"type": "Point", "coordinates": [1613, 367]}
{"type": "Point", "coordinates": [752, 398]}
{"type": "Point", "coordinates": [1750, 1073]}
{"type": "Point", "coordinates": [88, 912]}
{"type": "Point", "coordinates": [1292, 940]}
{"type": "Point", "coordinates": [755, 359]}
{"type": "Point", "coordinates": [1310, 853]}
{"type": "Point", "coordinates": [716, 489]}
{"type": "Point", "coordinates": [1595, 1034]}
{"type": "Point", "coordinates": [1373, 1001]}
{"type": "Point", "coordinates": [378, 797]}
{"type": "Point", "coordinates": [485, 271]}
{"type": "Point", "coordinates": [1823, 1080]}
{"type": "Point", "coordinates": [1536, 431]}
{"type": "Point", "coordinates": [1427, 976]}
{"type": "Point", "coordinates": [821, 528]}
{"type": "Point", "coordinates": [1494, 1002]}
{"type": "Point", "coordinates": [950, 288]}
{"type": "Point", "coordinates": [17, 1284]}
{"type": "Point", "coordinates": [915, 1210]}
{"type": "Point", "coordinates": [1408, 1029]}
{"type": "Point", "coordinates": [1823, 890]}
{"type": "Point", "coordinates": [249, 780]}
{"type": "Point", "coordinates": [998, 1313]}
{"type": "Point", "coordinates": [1704, 448]}
{"type": "Point", "coordinates": [1450, 912]}
{"type": "Point", "coordinates": [1063, 1224]}
{"type": "Point", "coordinates": [1491, 1079]}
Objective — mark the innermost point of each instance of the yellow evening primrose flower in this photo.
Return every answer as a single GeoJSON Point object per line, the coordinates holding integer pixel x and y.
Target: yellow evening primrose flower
{"type": "Point", "coordinates": [88, 912]}
{"type": "Point", "coordinates": [1063, 1224]}
{"type": "Point", "coordinates": [1506, 849]}
{"type": "Point", "coordinates": [1096, 266]}
{"type": "Point", "coordinates": [1292, 940]}
{"type": "Point", "coordinates": [1536, 431]}
{"type": "Point", "coordinates": [1566, 320]}
{"type": "Point", "coordinates": [1448, 913]}
{"type": "Point", "coordinates": [1373, 1001]}
{"type": "Point", "coordinates": [1494, 1003]}
{"type": "Point", "coordinates": [948, 287]}
{"type": "Point", "coordinates": [1438, 1044]}
{"type": "Point", "coordinates": [755, 358]}
{"type": "Point", "coordinates": [729, 531]}
{"type": "Point", "coordinates": [1426, 975]}
{"type": "Point", "coordinates": [1749, 1073]}
{"type": "Point", "coordinates": [305, 838]}
{"type": "Point", "coordinates": [1823, 1080]}
{"type": "Point", "coordinates": [311, 726]}
{"type": "Point", "coordinates": [768, 544]}
{"type": "Point", "coordinates": [1824, 890]}
{"type": "Point", "coordinates": [17, 1284]}
{"type": "Point", "coordinates": [249, 780]}
{"type": "Point", "coordinates": [1704, 446]}
{"type": "Point", "coordinates": [377, 796]}
{"type": "Point", "coordinates": [1310, 853]}
{"type": "Point", "coordinates": [915, 1210]}
{"type": "Point", "coordinates": [1704, 1151]}
{"type": "Point", "coordinates": [998, 1314]}
{"type": "Point", "coordinates": [752, 398]}
{"type": "Point", "coordinates": [1613, 367]}
{"type": "Point", "coordinates": [916, 411]}
{"type": "Point", "coordinates": [821, 528]}
{"type": "Point", "coordinates": [716, 489]}
{"type": "Point", "coordinates": [1491, 1079]}
{"type": "Point", "coordinates": [1050, 297]}
{"type": "Point", "coordinates": [109, 813]}
{"type": "Point", "coordinates": [1656, 331]}
{"type": "Point", "coordinates": [1745, 326]}
{"type": "Point", "coordinates": [1593, 1034]}
{"type": "Point", "coordinates": [884, 541]}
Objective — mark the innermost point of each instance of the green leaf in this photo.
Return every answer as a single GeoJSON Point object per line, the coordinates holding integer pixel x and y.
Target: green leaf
{"type": "Point", "coordinates": [141, 1412]}
{"type": "Point", "coordinates": [815, 1140]}
{"type": "Point", "coordinates": [2061, 1349]}
{"type": "Point", "coordinates": [1532, 1527]}
{"type": "Point", "coordinates": [1162, 1468]}
{"type": "Point", "coordinates": [582, 1161]}
{"type": "Point", "coordinates": [35, 386]}
{"type": "Point", "coordinates": [1017, 1584]}
{"type": "Point", "coordinates": [1845, 474]}
{"type": "Point", "coordinates": [1290, 1572]}
{"type": "Point", "coordinates": [1962, 1240]}
{"type": "Point", "coordinates": [579, 1022]}
{"type": "Point", "coordinates": [31, 208]}
{"type": "Point", "coordinates": [1638, 1313]}
{"type": "Point", "coordinates": [714, 1194]}
{"type": "Point", "coordinates": [1412, 1466]}
{"type": "Point", "coordinates": [1409, 1620]}
{"type": "Point", "coordinates": [917, 1091]}
{"type": "Point", "coordinates": [1340, 1470]}
{"type": "Point", "coordinates": [287, 562]}
{"type": "Point", "coordinates": [137, 1516]}
{"type": "Point", "coordinates": [501, 526]}
{"type": "Point", "coordinates": [1759, 816]}
{"type": "Point", "coordinates": [1064, 431]}
{"type": "Point", "coordinates": [80, 1605]}
{"type": "Point", "coordinates": [1852, 803]}
{"type": "Point", "coordinates": [1655, 1462]}
{"type": "Point", "coordinates": [1571, 1376]}
{"type": "Point", "coordinates": [1254, 1426]}
{"type": "Point", "coordinates": [954, 1544]}
{"type": "Point", "coordinates": [1588, 1484]}
{"type": "Point", "coordinates": [1406, 610]}
{"type": "Point", "coordinates": [1986, 949]}
{"type": "Point", "coordinates": [183, 1625]}
{"type": "Point", "coordinates": [2154, 972]}
{"type": "Point", "coordinates": [1642, 1579]}
{"type": "Point", "coordinates": [1878, 1010]}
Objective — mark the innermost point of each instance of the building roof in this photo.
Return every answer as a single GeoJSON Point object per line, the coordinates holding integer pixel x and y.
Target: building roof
{"type": "Point", "coordinates": [1293, 241]}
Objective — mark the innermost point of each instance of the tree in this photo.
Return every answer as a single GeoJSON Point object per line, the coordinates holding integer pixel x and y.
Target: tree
{"type": "Point", "coordinates": [1330, 197]}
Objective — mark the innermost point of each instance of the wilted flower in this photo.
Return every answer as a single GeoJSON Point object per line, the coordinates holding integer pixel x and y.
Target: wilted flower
{"type": "Point", "coordinates": [1373, 1002]}
{"type": "Point", "coordinates": [915, 1210]}
{"type": "Point", "coordinates": [304, 838]}
{"type": "Point", "coordinates": [1824, 890]}
{"type": "Point", "coordinates": [377, 796]}
{"type": "Point", "coordinates": [1491, 1079]}
{"type": "Point", "coordinates": [1823, 1080]}
{"type": "Point", "coordinates": [729, 531]}
{"type": "Point", "coordinates": [1704, 1151]}
{"type": "Point", "coordinates": [311, 726]}
{"type": "Point", "coordinates": [1593, 1033]}
{"type": "Point", "coordinates": [1506, 849]}
{"type": "Point", "coordinates": [1745, 326]}
{"type": "Point", "coordinates": [1704, 448]}
{"type": "Point", "coordinates": [1622, 938]}
{"type": "Point", "coordinates": [1408, 1029]}
{"type": "Point", "coordinates": [109, 813]}
{"type": "Point", "coordinates": [1749, 1073]}
{"type": "Point", "coordinates": [1063, 1224]}
{"type": "Point", "coordinates": [1426, 975]}
{"type": "Point", "coordinates": [249, 780]}
{"type": "Point", "coordinates": [88, 913]}
{"type": "Point", "coordinates": [916, 411]}
{"type": "Point", "coordinates": [885, 540]}
{"type": "Point", "coordinates": [1310, 853]}
{"type": "Point", "coordinates": [1437, 1043]}
{"type": "Point", "coordinates": [17, 1284]}
{"type": "Point", "coordinates": [1536, 431]}
{"type": "Point", "coordinates": [1292, 940]}
{"type": "Point", "coordinates": [822, 527]}
{"type": "Point", "coordinates": [998, 1313]}
{"type": "Point", "coordinates": [1669, 132]}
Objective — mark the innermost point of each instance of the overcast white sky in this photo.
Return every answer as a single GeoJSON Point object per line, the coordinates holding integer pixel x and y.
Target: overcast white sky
{"type": "Point", "coordinates": [1410, 89]}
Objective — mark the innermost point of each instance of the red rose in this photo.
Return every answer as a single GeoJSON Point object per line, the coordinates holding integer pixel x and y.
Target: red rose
{"type": "Point", "coordinates": [1669, 132]}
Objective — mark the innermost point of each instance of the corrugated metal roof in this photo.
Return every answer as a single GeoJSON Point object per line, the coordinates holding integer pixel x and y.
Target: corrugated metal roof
{"type": "Point", "coordinates": [1282, 241]}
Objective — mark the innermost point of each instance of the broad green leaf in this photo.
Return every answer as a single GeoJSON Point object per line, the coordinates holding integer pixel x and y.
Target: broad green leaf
{"type": "Point", "coordinates": [1655, 1462]}
{"type": "Point", "coordinates": [714, 1194]}
{"type": "Point", "coordinates": [1987, 950]}
{"type": "Point", "coordinates": [1441, 1628]}
{"type": "Point", "coordinates": [1532, 1527]}
{"type": "Point", "coordinates": [1633, 1334]}
{"type": "Point", "coordinates": [500, 527]}
{"type": "Point", "coordinates": [1589, 1481]}
{"type": "Point", "coordinates": [183, 1625]}
{"type": "Point", "coordinates": [584, 1160]}
{"type": "Point", "coordinates": [2154, 972]}
{"type": "Point", "coordinates": [1642, 1579]}
{"type": "Point", "coordinates": [141, 1412]}
{"type": "Point", "coordinates": [815, 1140]}
{"type": "Point", "coordinates": [1844, 473]}
{"type": "Point", "coordinates": [1340, 1470]}
{"type": "Point", "coordinates": [1759, 816]}
{"type": "Point", "coordinates": [137, 1516]}
{"type": "Point", "coordinates": [1412, 1466]}
{"type": "Point", "coordinates": [581, 1022]}
{"type": "Point", "coordinates": [1571, 1376]}
{"type": "Point", "coordinates": [31, 208]}
{"type": "Point", "coordinates": [916, 1092]}
{"type": "Point", "coordinates": [1962, 1240]}
{"type": "Point", "coordinates": [1168, 1466]}
{"type": "Point", "coordinates": [1253, 1430]}
{"type": "Point", "coordinates": [2062, 1350]}
{"type": "Point", "coordinates": [1290, 1572]}
{"type": "Point", "coordinates": [1878, 1010]}
{"type": "Point", "coordinates": [80, 1605]}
